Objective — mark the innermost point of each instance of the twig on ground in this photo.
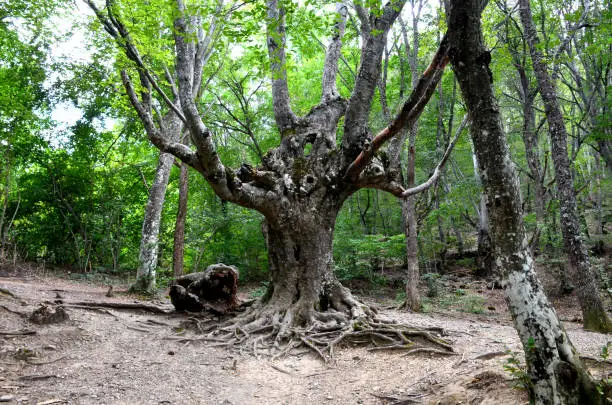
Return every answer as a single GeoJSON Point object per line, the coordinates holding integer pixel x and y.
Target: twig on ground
{"type": "Point", "coordinates": [117, 305]}
{"type": "Point", "coordinates": [40, 363]}
{"type": "Point", "coordinates": [154, 322]}
{"type": "Point", "coordinates": [18, 333]}
{"type": "Point", "coordinates": [37, 377]}
{"type": "Point", "coordinates": [8, 292]}
{"type": "Point", "coordinates": [22, 314]}
{"type": "Point", "coordinates": [282, 370]}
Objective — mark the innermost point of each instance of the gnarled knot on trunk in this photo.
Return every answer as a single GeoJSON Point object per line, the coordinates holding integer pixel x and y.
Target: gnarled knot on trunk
{"type": "Point", "coordinates": [214, 289]}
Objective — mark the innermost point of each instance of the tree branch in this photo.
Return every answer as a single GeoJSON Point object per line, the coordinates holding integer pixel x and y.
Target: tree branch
{"type": "Point", "coordinates": [330, 68]}
{"type": "Point", "coordinates": [438, 170]}
{"type": "Point", "coordinates": [162, 143]}
{"type": "Point", "coordinates": [118, 31]}
{"type": "Point", "coordinates": [409, 113]}
{"type": "Point", "coordinates": [284, 116]}
{"type": "Point", "coordinates": [356, 131]}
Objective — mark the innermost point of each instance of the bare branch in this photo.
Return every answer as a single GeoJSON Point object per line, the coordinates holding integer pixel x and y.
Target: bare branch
{"type": "Point", "coordinates": [438, 170]}
{"type": "Point", "coordinates": [330, 69]}
{"type": "Point", "coordinates": [162, 143]}
{"type": "Point", "coordinates": [118, 31]}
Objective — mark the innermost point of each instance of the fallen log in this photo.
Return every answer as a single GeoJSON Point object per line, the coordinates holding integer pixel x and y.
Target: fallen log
{"type": "Point", "coordinates": [214, 289]}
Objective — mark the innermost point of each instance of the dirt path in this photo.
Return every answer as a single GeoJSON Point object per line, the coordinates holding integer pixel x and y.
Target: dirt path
{"type": "Point", "coordinates": [126, 357]}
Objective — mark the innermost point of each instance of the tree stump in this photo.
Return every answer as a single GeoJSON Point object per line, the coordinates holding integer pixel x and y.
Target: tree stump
{"type": "Point", "coordinates": [214, 289]}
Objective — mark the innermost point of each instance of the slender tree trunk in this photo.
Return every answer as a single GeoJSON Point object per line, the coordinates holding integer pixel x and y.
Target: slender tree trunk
{"type": "Point", "coordinates": [581, 273]}
{"type": "Point", "coordinates": [179, 228]}
{"type": "Point", "coordinates": [413, 299]}
{"type": "Point", "coordinates": [5, 199]}
{"type": "Point", "coordinates": [149, 243]}
{"type": "Point", "coordinates": [484, 258]}
{"type": "Point", "coordinates": [556, 373]}
{"type": "Point", "coordinates": [532, 149]}
{"type": "Point", "coordinates": [439, 152]}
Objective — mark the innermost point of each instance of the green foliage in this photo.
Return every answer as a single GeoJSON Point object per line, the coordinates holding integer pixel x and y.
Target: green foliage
{"type": "Point", "coordinates": [604, 386]}
{"type": "Point", "coordinates": [362, 257]}
{"type": "Point", "coordinates": [432, 284]}
{"type": "Point", "coordinates": [518, 371]}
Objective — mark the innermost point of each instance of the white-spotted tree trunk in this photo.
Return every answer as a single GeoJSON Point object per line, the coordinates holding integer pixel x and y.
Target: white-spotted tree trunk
{"type": "Point", "coordinates": [149, 241]}
{"type": "Point", "coordinates": [556, 373]}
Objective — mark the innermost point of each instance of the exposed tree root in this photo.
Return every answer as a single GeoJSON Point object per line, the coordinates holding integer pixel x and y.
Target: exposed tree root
{"type": "Point", "coordinates": [117, 305]}
{"type": "Point", "coordinates": [276, 332]}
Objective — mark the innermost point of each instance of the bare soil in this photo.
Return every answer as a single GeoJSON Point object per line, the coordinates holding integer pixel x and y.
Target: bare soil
{"type": "Point", "coordinates": [115, 356]}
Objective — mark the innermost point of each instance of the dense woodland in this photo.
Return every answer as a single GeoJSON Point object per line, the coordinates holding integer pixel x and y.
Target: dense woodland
{"type": "Point", "coordinates": [82, 198]}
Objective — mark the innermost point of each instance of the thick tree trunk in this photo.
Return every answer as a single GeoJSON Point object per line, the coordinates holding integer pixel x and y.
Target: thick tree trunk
{"type": "Point", "coordinates": [582, 275]}
{"type": "Point", "coordinates": [303, 287]}
{"type": "Point", "coordinates": [556, 373]}
{"type": "Point", "coordinates": [179, 228]}
{"type": "Point", "coordinates": [147, 256]}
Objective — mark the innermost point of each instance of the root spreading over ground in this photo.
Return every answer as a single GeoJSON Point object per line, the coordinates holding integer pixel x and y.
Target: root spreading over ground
{"type": "Point", "coordinates": [264, 330]}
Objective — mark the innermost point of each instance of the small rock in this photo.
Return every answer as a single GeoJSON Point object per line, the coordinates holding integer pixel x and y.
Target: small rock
{"type": "Point", "coordinates": [6, 398]}
{"type": "Point", "coordinates": [329, 397]}
{"type": "Point", "coordinates": [49, 347]}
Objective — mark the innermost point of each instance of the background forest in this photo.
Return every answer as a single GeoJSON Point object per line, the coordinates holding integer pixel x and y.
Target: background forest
{"type": "Point", "coordinates": [73, 196]}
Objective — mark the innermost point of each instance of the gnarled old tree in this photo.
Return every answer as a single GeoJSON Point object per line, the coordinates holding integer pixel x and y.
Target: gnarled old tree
{"type": "Point", "coordinates": [556, 373]}
{"type": "Point", "coordinates": [301, 185]}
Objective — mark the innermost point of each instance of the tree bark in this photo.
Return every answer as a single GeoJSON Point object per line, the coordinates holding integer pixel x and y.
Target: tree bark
{"type": "Point", "coordinates": [582, 275]}
{"type": "Point", "coordinates": [556, 373]}
{"type": "Point", "coordinates": [413, 299]}
{"type": "Point", "coordinates": [179, 228]}
{"type": "Point", "coordinates": [485, 265]}
{"type": "Point", "coordinates": [149, 242]}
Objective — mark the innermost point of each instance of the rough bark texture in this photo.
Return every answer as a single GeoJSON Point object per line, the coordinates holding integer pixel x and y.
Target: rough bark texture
{"type": "Point", "coordinates": [485, 265]}
{"type": "Point", "coordinates": [556, 373]}
{"type": "Point", "coordinates": [413, 299]}
{"type": "Point", "coordinates": [581, 273]}
{"type": "Point", "coordinates": [179, 228]}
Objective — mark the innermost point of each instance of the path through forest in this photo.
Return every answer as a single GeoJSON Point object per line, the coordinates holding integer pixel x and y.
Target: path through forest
{"type": "Point", "coordinates": [112, 356]}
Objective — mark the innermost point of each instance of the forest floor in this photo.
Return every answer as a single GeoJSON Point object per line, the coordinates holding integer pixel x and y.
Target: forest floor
{"type": "Point", "coordinates": [115, 356]}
